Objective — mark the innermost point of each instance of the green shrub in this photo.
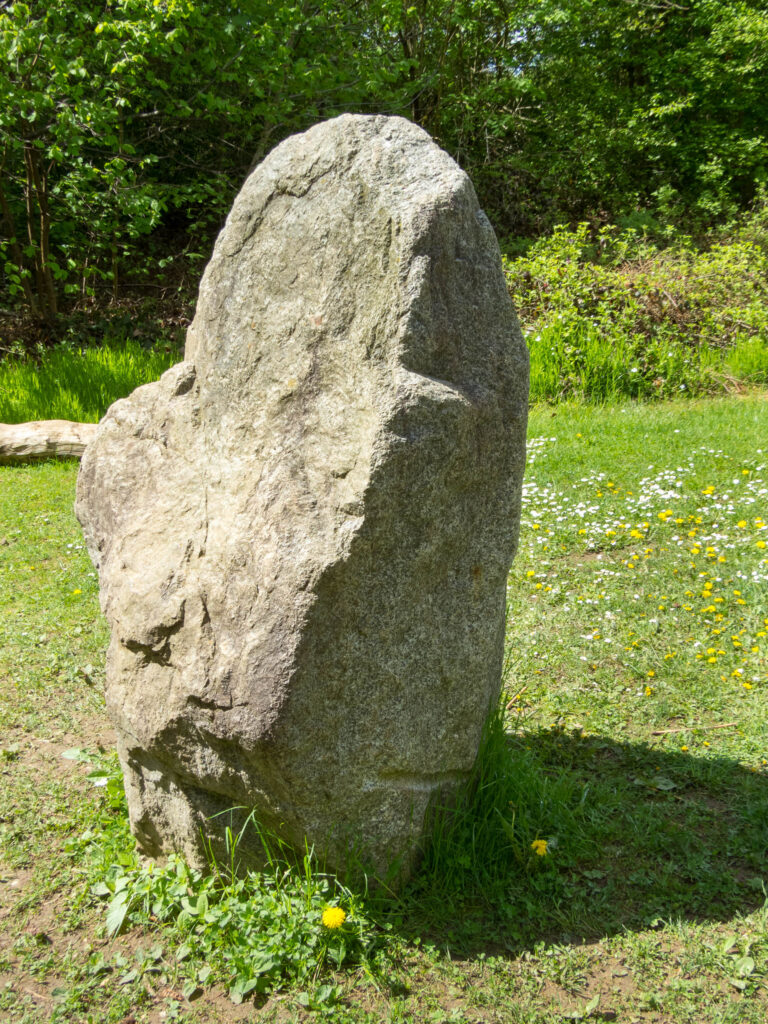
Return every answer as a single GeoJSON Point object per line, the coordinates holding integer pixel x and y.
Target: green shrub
{"type": "Point", "coordinates": [614, 313]}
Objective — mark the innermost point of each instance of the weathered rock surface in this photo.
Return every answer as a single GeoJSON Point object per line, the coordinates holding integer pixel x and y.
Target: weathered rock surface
{"type": "Point", "coordinates": [303, 531]}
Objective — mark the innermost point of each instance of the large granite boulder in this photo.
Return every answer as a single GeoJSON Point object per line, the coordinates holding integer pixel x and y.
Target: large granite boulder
{"type": "Point", "coordinates": [303, 531]}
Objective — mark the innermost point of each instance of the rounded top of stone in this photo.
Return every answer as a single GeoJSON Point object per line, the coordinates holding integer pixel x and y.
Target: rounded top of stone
{"type": "Point", "coordinates": [391, 156]}
{"type": "Point", "coordinates": [394, 150]}
{"type": "Point", "coordinates": [306, 207]}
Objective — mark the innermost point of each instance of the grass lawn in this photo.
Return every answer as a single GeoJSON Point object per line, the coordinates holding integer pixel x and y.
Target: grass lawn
{"type": "Point", "coordinates": [611, 862]}
{"type": "Point", "coordinates": [77, 384]}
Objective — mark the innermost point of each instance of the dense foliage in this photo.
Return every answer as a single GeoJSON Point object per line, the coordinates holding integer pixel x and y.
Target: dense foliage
{"type": "Point", "coordinates": [136, 118]}
{"type": "Point", "coordinates": [644, 110]}
{"type": "Point", "coordinates": [126, 126]}
{"type": "Point", "coordinates": [610, 312]}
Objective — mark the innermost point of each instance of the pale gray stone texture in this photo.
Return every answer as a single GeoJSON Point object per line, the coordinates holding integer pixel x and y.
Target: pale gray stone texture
{"type": "Point", "coordinates": [303, 531]}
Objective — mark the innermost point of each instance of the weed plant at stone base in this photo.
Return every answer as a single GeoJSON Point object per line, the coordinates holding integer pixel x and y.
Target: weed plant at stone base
{"type": "Point", "coordinates": [252, 930]}
{"type": "Point", "coordinates": [612, 313]}
{"type": "Point", "coordinates": [501, 847]}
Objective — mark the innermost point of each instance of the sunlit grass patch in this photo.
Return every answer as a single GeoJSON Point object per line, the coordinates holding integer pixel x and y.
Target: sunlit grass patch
{"type": "Point", "coordinates": [73, 384]}
{"type": "Point", "coordinates": [654, 568]}
{"type": "Point", "coordinates": [612, 841]}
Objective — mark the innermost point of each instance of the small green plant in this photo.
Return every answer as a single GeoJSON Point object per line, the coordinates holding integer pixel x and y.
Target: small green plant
{"type": "Point", "coordinates": [510, 823]}
{"type": "Point", "coordinates": [253, 931]}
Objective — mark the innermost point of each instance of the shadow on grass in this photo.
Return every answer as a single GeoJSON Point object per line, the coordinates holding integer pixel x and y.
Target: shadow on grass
{"type": "Point", "coordinates": [635, 836]}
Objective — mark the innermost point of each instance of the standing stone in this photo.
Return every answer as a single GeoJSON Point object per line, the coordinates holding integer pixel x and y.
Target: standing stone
{"type": "Point", "coordinates": [303, 531]}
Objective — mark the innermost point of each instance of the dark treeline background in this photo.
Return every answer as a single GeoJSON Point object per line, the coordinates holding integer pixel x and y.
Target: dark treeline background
{"type": "Point", "coordinates": [127, 126]}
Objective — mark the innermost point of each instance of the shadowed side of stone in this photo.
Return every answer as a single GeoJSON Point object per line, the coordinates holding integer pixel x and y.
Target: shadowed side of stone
{"type": "Point", "coordinates": [303, 531]}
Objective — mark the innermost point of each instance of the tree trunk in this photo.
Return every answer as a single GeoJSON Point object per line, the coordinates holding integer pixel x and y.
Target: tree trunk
{"type": "Point", "coordinates": [37, 183]}
{"type": "Point", "coordinates": [16, 253]}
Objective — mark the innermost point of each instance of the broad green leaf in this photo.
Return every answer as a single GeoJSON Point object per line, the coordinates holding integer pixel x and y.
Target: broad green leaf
{"type": "Point", "coordinates": [118, 908]}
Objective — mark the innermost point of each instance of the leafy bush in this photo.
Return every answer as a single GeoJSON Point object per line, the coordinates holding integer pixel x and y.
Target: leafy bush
{"type": "Point", "coordinates": [614, 313]}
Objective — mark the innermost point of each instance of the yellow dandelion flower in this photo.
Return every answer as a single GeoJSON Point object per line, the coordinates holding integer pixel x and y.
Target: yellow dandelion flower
{"type": "Point", "coordinates": [334, 917]}
{"type": "Point", "coordinates": [539, 847]}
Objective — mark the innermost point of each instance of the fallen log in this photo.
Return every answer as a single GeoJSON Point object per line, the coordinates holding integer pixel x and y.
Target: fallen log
{"type": "Point", "coordinates": [44, 439]}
